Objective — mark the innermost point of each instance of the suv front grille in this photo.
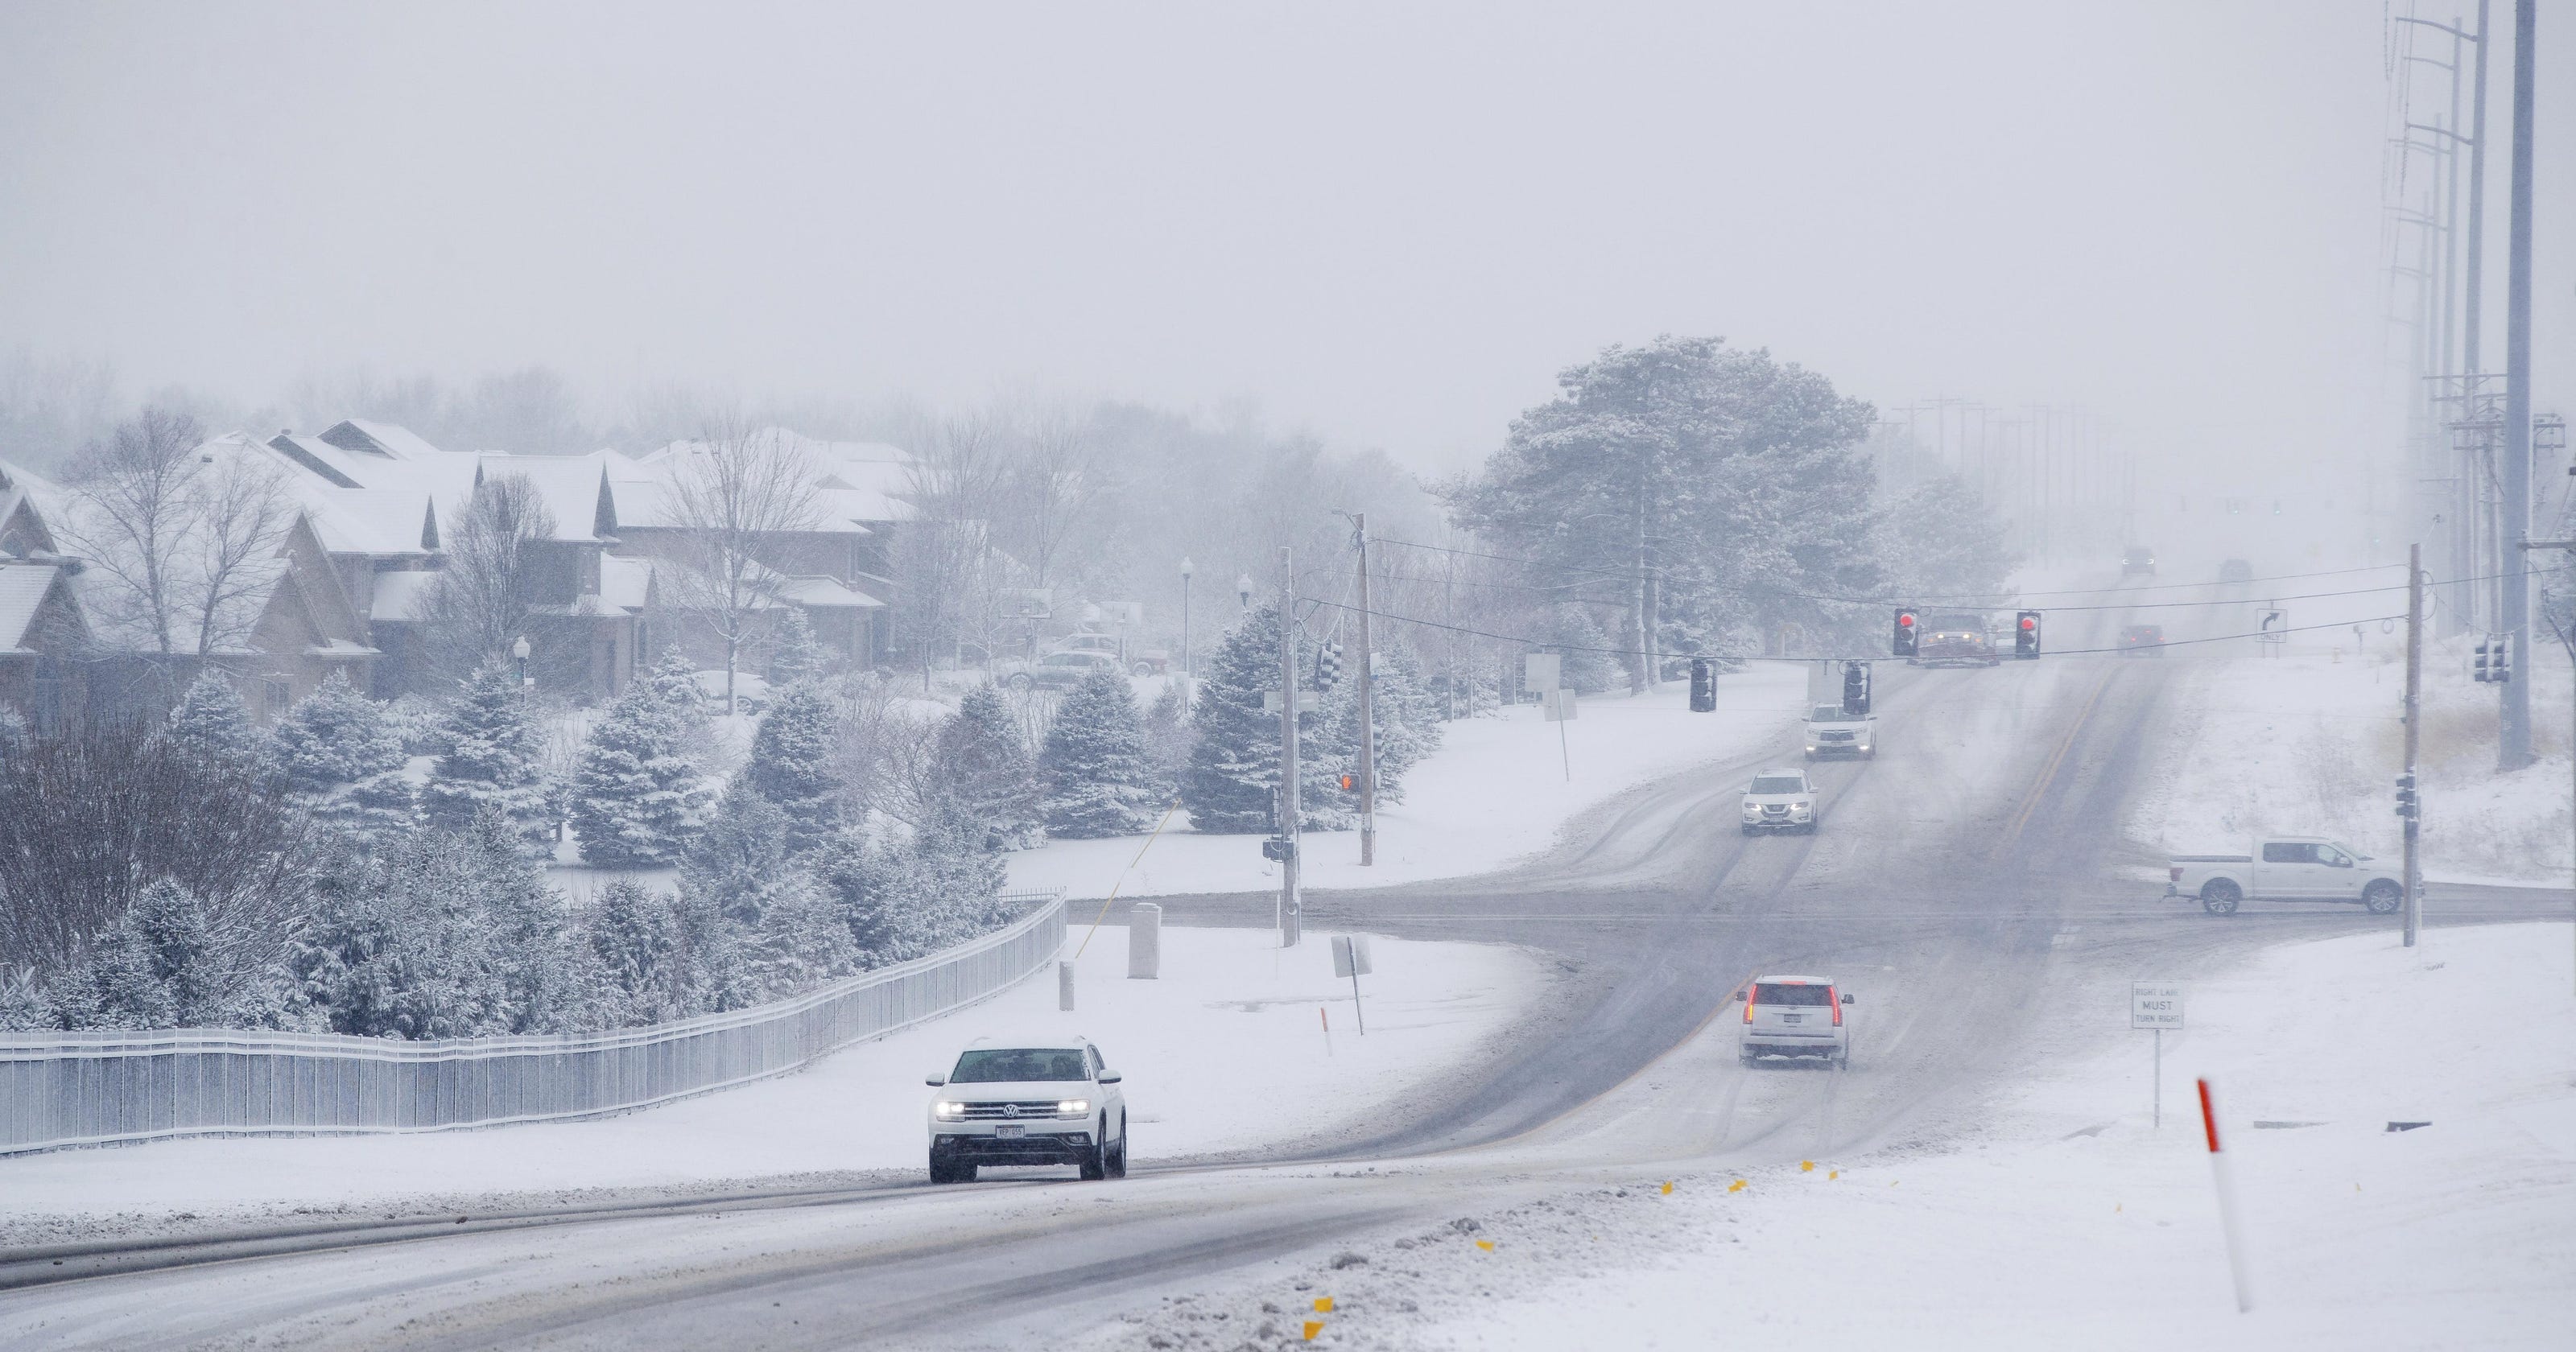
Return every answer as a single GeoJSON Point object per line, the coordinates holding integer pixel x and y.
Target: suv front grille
{"type": "Point", "coordinates": [976, 1112]}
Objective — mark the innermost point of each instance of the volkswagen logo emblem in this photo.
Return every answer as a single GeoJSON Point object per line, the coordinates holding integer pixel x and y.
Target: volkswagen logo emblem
{"type": "Point", "coordinates": [1010, 1110]}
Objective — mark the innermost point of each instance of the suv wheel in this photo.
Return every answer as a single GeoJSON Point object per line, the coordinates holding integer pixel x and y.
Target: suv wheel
{"type": "Point", "coordinates": [1118, 1156]}
{"type": "Point", "coordinates": [1022, 682]}
{"type": "Point", "coordinates": [1095, 1166]}
{"type": "Point", "coordinates": [2383, 897]}
{"type": "Point", "coordinates": [2220, 897]}
{"type": "Point", "coordinates": [946, 1170]}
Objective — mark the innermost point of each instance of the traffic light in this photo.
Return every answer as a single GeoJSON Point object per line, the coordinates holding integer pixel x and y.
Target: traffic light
{"type": "Point", "coordinates": [1703, 686]}
{"type": "Point", "coordinates": [1905, 634]}
{"type": "Point", "coordinates": [2503, 666]}
{"type": "Point", "coordinates": [2026, 635]}
{"type": "Point", "coordinates": [1856, 688]}
{"type": "Point", "coordinates": [2485, 669]}
{"type": "Point", "coordinates": [1328, 664]}
{"type": "Point", "coordinates": [2407, 806]}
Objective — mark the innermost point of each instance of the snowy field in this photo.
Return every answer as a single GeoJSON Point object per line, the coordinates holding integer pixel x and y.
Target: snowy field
{"type": "Point", "coordinates": [1225, 1053]}
{"type": "Point", "coordinates": [2068, 1220]}
{"type": "Point", "coordinates": [2310, 743]}
{"type": "Point", "coordinates": [1496, 792]}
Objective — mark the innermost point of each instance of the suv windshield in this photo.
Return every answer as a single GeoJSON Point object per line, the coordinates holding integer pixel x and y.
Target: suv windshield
{"type": "Point", "coordinates": [1000, 1067]}
{"type": "Point", "coordinates": [1777, 784]}
{"type": "Point", "coordinates": [1828, 713]}
{"type": "Point", "coordinates": [1792, 995]}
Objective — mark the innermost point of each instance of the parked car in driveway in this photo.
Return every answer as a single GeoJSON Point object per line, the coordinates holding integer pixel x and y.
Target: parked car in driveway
{"type": "Point", "coordinates": [1055, 671]}
{"type": "Point", "coordinates": [1140, 661]}
{"type": "Point", "coordinates": [1045, 1101]}
{"type": "Point", "coordinates": [2285, 868]}
{"type": "Point", "coordinates": [1794, 1016]}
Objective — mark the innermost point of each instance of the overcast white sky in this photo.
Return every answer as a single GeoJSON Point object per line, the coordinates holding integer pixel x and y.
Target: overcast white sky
{"type": "Point", "coordinates": [1389, 223]}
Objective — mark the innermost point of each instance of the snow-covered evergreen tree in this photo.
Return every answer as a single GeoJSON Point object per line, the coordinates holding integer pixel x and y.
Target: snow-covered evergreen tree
{"type": "Point", "coordinates": [639, 796]}
{"type": "Point", "coordinates": [1099, 780]}
{"type": "Point", "coordinates": [675, 678]}
{"type": "Point", "coordinates": [337, 752]}
{"type": "Point", "coordinates": [210, 723]}
{"type": "Point", "coordinates": [748, 906]}
{"type": "Point", "coordinates": [493, 759]}
{"type": "Point", "coordinates": [984, 772]}
{"type": "Point", "coordinates": [1233, 776]}
{"type": "Point", "coordinates": [796, 655]}
{"type": "Point", "coordinates": [791, 763]}
{"type": "Point", "coordinates": [915, 892]}
{"type": "Point", "coordinates": [160, 967]}
{"type": "Point", "coordinates": [634, 938]}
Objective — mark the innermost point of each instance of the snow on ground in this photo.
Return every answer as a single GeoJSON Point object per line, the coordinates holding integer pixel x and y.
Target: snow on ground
{"type": "Point", "coordinates": [1496, 792]}
{"type": "Point", "coordinates": [1224, 1053]}
{"type": "Point", "coordinates": [2068, 1220]}
{"type": "Point", "coordinates": [2310, 743]}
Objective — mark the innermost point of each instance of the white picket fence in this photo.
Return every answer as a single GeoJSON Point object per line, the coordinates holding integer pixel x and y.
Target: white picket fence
{"type": "Point", "coordinates": [102, 1088]}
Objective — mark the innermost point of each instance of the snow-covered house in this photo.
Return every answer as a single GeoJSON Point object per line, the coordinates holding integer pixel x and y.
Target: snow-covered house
{"type": "Point", "coordinates": [43, 641]}
{"type": "Point", "coordinates": [839, 571]}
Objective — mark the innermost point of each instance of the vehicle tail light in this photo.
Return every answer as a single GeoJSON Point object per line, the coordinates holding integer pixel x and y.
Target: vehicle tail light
{"type": "Point", "coordinates": [1748, 1006]}
{"type": "Point", "coordinates": [1837, 1001]}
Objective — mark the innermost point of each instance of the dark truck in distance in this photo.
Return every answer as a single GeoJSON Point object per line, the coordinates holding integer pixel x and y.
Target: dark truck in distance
{"type": "Point", "coordinates": [1957, 638]}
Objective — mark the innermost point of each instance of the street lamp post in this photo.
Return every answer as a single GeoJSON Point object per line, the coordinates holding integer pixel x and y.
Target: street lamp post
{"type": "Point", "coordinates": [1243, 590]}
{"type": "Point", "coordinates": [1185, 622]}
{"type": "Point", "coordinates": [520, 651]}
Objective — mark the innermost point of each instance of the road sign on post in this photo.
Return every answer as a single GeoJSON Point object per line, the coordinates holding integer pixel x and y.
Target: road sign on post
{"type": "Point", "coordinates": [1351, 959]}
{"type": "Point", "coordinates": [1541, 672]}
{"type": "Point", "coordinates": [2157, 1006]}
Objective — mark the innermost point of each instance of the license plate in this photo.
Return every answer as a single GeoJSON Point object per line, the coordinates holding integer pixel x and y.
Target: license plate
{"type": "Point", "coordinates": [1785, 1018]}
{"type": "Point", "coordinates": [1010, 1133]}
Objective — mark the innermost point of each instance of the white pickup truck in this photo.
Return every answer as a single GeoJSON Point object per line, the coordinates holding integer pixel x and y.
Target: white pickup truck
{"type": "Point", "coordinates": [1831, 732]}
{"type": "Point", "coordinates": [2285, 868]}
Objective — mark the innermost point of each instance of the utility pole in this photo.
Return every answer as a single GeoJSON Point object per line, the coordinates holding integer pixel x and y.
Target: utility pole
{"type": "Point", "coordinates": [1368, 725]}
{"type": "Point", "coordinates": [2414, 719]}
{"type": "Point", "coordinates": [2513, 733]}
{"type": "Point", "coordinates": [2569, 546]}
{"type": "Point", "coordinates": [1288, 901]}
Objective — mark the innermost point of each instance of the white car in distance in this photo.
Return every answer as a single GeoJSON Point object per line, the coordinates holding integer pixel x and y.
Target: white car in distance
{"type": "Point", "coordinates": [1780, 800]}
{"type": "Point", "coordinates": [1794, 1016]}
{"type": "Point", "coordinates": [1041, 1101]}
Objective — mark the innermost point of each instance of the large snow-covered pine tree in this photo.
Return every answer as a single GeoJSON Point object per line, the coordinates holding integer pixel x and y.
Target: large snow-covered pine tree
{"type": "Point", "coordinates": [1099, 780]}
{"type": "Point", "coordinates": [984, 771]}
{"type": "Point", "coordinates": [796, 655]}
{"type": "Point", "coordinates": [337, 752]}
{"type": "Point", "coordinates": [491, 760]}
{"type": "Point", "coordinates": [1233, 776]}
{"type": "Point", "coordinates": [791, 763]}
{"type": "Point", "coordinates": [639, 796]}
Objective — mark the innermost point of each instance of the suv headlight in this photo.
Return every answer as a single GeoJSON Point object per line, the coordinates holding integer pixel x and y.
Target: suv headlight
{"type": "Point", "coordinates": [948, 1111]}
{"type": "Point", "coordinates": [1801, 805]}
{"type": "Point", "coordinates": [1073, 1108]}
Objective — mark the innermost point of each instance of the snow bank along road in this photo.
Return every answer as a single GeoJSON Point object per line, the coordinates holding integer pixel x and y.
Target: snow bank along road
{"type": "Point", "coordinates": [1971, 865]}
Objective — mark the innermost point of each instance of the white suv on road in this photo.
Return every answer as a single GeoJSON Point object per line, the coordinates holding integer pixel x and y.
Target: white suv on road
{"type": "Point", "coordinates": [1794, 1016]}
{"type": "Point", "coordinates": [1780, 800]}
{"type": "Point", "coordinates": [1045, 1101]}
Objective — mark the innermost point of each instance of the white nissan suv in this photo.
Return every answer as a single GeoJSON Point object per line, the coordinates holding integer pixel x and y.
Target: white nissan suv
{"type": "Point", "coordinates": [1043, 1101]}
{"type": "Point", "coordinates": [1780, 800]}
{"type": "Point", "coordinates": [1794, 1016]}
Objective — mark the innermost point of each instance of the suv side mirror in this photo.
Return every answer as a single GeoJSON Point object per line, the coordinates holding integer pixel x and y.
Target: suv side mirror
{"type": "Point", "coordinates": [934, 1081]}
{"type": "Point", "coordinates": [1847, 999]}
{"type": "Point", "coordinates": [1110, 1077]}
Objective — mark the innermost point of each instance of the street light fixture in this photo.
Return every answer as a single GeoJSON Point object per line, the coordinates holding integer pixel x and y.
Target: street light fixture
{"type": "Point", "coordinates": [1243, 590]}
{"type": "Point", "coordinates": [520, 651]}
{"type": "Point", "coordinates": [1186, 570]}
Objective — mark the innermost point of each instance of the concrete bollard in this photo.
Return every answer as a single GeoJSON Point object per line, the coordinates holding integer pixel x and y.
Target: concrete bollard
{"type": "Point", "coordinates": [1064, 985]}
{"type": "Point", "coordinates": [1145, 942]}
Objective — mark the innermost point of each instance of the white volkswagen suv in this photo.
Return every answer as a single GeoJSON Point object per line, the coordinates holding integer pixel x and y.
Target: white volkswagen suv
{"type": "Point", "coordinates": [1044, 1101]}
{"type": "Point", "coordinates": [1794, 1016]}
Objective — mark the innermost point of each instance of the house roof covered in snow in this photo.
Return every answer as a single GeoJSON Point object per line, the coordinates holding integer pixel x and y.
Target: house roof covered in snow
{"type": "Point", "coordinates": [384, 440]}
{"type": "Point", "coordinates": [23, 588]}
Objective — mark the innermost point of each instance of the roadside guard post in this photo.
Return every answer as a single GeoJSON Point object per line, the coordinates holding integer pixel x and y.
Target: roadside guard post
{"type": "Point", "coordinates": [2226, 1205]}
{"type": "Point", "coordinates": [1351, 959]}
{"type": "Point", "coordinates": [1064, 985]}
{"type": "Point", "coordinates": [1145, 942]}
{"type": "Point", "coordinates": [2157, 1006]}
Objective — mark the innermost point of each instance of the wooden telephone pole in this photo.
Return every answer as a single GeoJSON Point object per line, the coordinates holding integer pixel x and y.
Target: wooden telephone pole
{"type": "Point", "coordinates": [1368, 724]}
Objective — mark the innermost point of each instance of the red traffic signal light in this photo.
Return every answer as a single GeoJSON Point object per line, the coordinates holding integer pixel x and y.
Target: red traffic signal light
{"type": "Point", "coordinates": [2030, 622]}
{"type": "Point", "coordinates": [1906, 618]}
